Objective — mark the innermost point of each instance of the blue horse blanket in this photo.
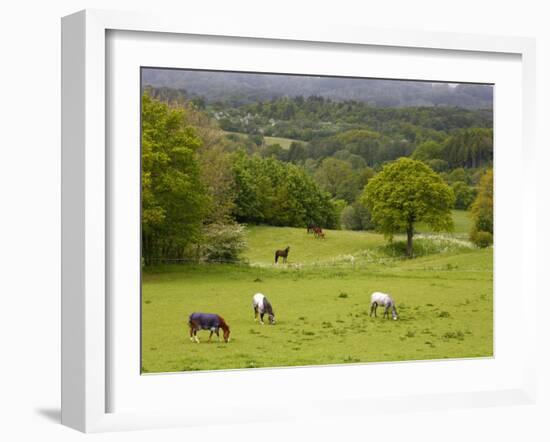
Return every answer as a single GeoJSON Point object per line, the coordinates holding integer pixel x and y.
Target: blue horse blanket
{"type": "Point", "coordinates": [205, 321]}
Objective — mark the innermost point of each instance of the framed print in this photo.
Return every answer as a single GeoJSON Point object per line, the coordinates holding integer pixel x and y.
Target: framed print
{"type": "Point", "coordinates": [274, 217]}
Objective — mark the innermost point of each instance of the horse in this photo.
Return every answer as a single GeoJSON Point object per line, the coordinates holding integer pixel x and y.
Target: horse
{"type": "Point", "coordinates": [311, 227]}
{"type": "Point", "coordinates": [318, 233]}
{"type": "Point", "coordinates": [207, 321]}
{"type": "Point", "coordinates": [282, 253]}
{"type": "Point", "coordinates": [384, 300]}
{"type": "Point", "coordinates": [262, 306]}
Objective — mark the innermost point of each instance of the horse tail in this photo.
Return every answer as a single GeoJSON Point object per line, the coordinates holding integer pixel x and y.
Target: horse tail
{"type": "Point", "coordinates": [276, 257]}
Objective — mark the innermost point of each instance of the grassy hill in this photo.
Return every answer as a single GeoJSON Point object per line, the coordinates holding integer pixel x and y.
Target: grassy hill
{"type": "Point", "coordinates": [340, 245]}
{"type": "Point", "coordinates": [269, 141]}
{"type": "Point", "coordinates": [304, 248]}
{"type": "Point", "coordinates": [322, 304]}
{"type": "Point", "coordinates": [283, 142]}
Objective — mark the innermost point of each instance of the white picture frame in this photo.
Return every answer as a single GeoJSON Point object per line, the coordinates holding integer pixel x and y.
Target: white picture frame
{"type": "Point", "coordinates": [86, 206]}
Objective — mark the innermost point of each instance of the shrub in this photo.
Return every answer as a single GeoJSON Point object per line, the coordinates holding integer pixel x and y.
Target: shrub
{"type": "Point", "coordinates": [223, 242]}
{"type": "Point", "coordinates": [482, 239]}
{"type": "Point", "coordinates": [356, 217]}
{"type": "Point", "coordinates": [464, 195]}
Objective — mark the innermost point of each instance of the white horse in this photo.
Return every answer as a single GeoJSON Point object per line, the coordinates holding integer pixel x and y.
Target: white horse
{"type": "Point", "coordinates": [262, 306]}
{"type": "Point", "coordinates": [378, 298]}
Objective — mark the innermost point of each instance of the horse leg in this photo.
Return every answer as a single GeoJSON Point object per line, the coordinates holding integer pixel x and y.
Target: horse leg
{"type": "Point", "coordinates": [191, 336]}
{"type": "Point", "coordinates": [276, 258]}
{"type": "Point", "coordinates": [387, 312]}
{"type": "Point", "coordinates": [262, 318]}
{"type": "Point", "coordinates": [372, 308]}
{"type": "Point", "coordinates": [255, 313]}
{"type": "Point", "coordinates": [210, 337]}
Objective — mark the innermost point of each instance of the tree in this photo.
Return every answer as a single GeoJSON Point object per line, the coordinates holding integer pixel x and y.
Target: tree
{"type": "Point", "coordinates": [482, 211]}
{"type": "Point", "coordinates": [428, 150]}
{"type": "Point", "coordinates": [464, 195]}
{"type": "Point", "coordinates": [174, 201]}
{"type": "Point", "coordinates": [404, 193]}
{"type": "Point", "coordinates": [338, 177]}
{"type": "Point", "coordinates": [469, 148]}
{"type": "Point", "coordinates": [278, 193]}
{"type": "Point", "coordinates": [356, 217]}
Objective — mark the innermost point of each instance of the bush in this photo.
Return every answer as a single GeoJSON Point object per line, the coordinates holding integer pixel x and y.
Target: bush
{"type": "Point", "coordinates": [223, 242]}
{"type": "Point", "coordinates": [464, 195]}
{"type": "Point", "coordinates": [437, 164]}
{"type": "Point", "coordinates": [482, 239]}
{"type": "Point", "coordinates": [356, 217]}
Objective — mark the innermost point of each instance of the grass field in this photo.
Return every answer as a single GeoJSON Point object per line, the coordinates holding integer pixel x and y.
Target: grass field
{"type": "Point", "coordinates": [462, 224]}
{"type": "Point", "coordinates": [283, 142]}
{"type": "Point", "coordinates": [321, 301]}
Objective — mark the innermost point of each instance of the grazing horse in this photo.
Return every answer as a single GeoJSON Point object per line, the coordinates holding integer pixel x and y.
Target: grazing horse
{"type": "Point", "coordinates": [318, 233]}
{"type": "Point", "coordinates": [281, 254]}
{"type": "Point", "coordinates": [207, 321]}
{"type": "Point", "coordinates": [311, 227]}
{"type": "Point", "coordinates": [262, 306]}
{"type": "Point", "coordinates": [384, 300]}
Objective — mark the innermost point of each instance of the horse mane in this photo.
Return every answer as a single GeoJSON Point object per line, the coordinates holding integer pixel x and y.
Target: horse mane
{"type": "Point", "coordinates": [268, 308]}
{"type": "Point", "coordinates": [223, 324]}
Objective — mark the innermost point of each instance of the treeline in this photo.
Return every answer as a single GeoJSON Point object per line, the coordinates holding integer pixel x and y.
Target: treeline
{"type": "Point", "coordinates": [279, 194]}
{"type": "Point", "coordinates": [444, 137]}
{"type": "Point", "coordinates": [197, 187]}
{"type": "Point", "coordinates": [200, 183]}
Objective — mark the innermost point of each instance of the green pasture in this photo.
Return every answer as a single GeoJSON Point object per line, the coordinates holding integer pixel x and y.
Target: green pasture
{"type": "Point", "coordinates": [462, 221]}
{"type": "Point", "coordinates": [283, 142]}
{"type": "Point", "coordinates": [304, 248]}
{"type": "Point", "coordinates": [269, 141]}
{"type": "Point", "coordinates": [321, 300]}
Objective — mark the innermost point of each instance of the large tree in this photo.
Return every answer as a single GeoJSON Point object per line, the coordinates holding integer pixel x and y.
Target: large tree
{"type": "Point", "coordinates": [174, 200]}
{"type": "Point", "coordinates": [482, 211]}
{"type": "Point", "coordinates": [404, 193]}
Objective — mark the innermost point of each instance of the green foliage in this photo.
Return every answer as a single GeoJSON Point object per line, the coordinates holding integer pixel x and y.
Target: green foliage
{"type": "Point", "coordinates": [356, 216]}
{"type": "Point", "coordinates": [223, 242]}
{"type": "Point", "coordinates": [338, 178]}
{"type": "Point", "coordinates": [437, 165]}
{"type": "Point", "coordinates": [458, 175]}
{"type": "Point", "coordinates": [281, 194]}
{"type": "Point", "coordinates": [316, 117]}
{"type": "Point", "coordinates": [470, 148]}
{"type": "Point", "coordinates": [428, 150]}
{"type": "Point", "coordinates": [174, 200]}
{"type": "Point", "coordinates": [464, 195]}
{"type": "Point", "coordinates": [481, 238]}
{"type": "Point", "coordinates": [482, 211]}
{"type": "Point", "coordinates": [406, 192]}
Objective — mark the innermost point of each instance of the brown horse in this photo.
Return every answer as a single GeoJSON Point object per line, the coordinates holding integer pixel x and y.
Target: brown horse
{"type": "Point", "coordinates": [281, 254]}
{"type": "Point", "coordinates": [318, 233]}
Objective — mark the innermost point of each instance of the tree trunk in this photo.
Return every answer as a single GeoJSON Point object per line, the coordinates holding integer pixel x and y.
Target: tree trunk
{"type": "Point", "coordinates": [410, 241]}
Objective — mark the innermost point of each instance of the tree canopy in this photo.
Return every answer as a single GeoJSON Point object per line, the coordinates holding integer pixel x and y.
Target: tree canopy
{"type": "Point", "coordinates": [174, 199]}
{"type": "Point", "coordinates": [482, 212]}
{"type": "Point", "coordinates": [406, 192]}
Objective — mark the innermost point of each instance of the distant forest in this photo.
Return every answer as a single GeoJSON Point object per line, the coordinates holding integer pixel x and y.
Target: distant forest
{"type": "Point", "coordinates": [215, 158]}
{"type": "Point", "coordinates": [236, 89]}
